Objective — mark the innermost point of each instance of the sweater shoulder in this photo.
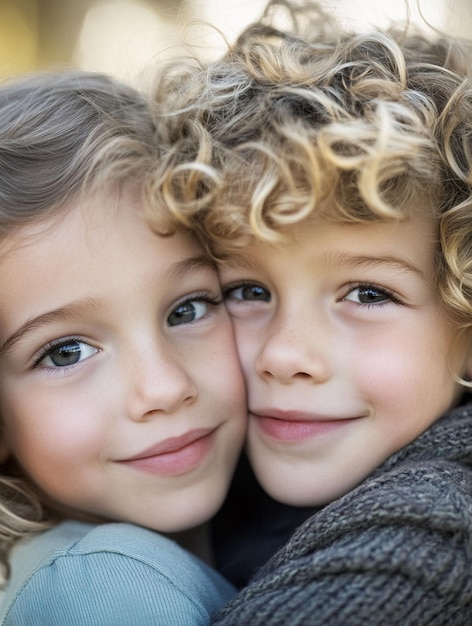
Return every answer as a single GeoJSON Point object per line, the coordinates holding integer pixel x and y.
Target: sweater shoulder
{"type": "Point", "coordinates": [109, 574]}
{"type": "Point", "coordinates": [399, 546]}
{"type": "Point", "coordinates": [435, 495]}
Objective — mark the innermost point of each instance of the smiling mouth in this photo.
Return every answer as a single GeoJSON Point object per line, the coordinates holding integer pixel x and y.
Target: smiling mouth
{"type": "Point", "coordinates": [175, 456]}
{"type": "Point", "coordinates": [284, 429]}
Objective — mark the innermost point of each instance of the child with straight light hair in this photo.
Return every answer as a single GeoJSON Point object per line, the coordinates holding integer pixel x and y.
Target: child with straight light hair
{"type": "Point", "coordinates": [122, 405]}
{"type": "Point", "coordinates": [330, 173]}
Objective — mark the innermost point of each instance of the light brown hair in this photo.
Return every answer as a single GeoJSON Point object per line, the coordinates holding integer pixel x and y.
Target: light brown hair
{"type": "Point", "coordinates": [61, 135]}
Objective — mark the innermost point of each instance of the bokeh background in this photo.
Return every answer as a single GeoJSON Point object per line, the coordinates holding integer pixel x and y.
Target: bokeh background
{"type": "Point", "coordinates": [128, 37]}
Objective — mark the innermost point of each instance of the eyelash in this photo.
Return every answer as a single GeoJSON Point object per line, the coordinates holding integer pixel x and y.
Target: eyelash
{"type": "Point", "coordinates": [200, 296]}
{"type": "Point", "coordinates": [239, 285]}
{"type": "Point", "coordinates": [390, 295]}
{"type": "Point", "coordinates": [49, 348]}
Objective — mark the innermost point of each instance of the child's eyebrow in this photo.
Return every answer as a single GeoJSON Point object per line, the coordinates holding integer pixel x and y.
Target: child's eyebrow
{"type": "Point", "coordinates": [332, 260]}
{"type": "Point", "coordinates": [182, 268]}
{"type": "Point", "coordinates": [80, 307]}
{"type": "Point", "coordinates": [367, 261]}
{"type": "Point", "coordinates": [72, 309]}
{"type": "Point", "coordinates": [236, 259]}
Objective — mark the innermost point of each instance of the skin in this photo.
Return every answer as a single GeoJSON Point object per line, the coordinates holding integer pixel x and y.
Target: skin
{"type": "Point", "coordinates": [347, 351]}
{"type": "Point", "coordinates": [121, 394]}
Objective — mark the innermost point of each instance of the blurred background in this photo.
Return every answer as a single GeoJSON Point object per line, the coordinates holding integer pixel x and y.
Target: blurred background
{"type": "Point", "coordinates": [128, 37]}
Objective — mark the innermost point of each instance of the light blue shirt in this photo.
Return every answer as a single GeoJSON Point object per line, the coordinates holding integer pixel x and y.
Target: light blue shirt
{"type": "Point", "coordinates": [109, 575]}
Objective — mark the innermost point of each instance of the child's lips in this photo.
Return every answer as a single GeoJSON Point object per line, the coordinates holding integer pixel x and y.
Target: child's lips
{"type": "Point", "coordinates": [176, 455]}
{"type": "Point", "coordinates": [296, 425]}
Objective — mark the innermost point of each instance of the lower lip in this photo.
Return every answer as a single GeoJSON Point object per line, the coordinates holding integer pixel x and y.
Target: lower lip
{"type": "Point", "coordinates": [177, 462]}
{"type": "Point", "coordinates": [288, 430]}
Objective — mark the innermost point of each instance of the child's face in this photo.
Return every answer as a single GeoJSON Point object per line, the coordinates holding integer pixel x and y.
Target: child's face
{"type": "Point", "coordinates": [120, 390]}
{"type": "Point", "coordinates": [347, 352]}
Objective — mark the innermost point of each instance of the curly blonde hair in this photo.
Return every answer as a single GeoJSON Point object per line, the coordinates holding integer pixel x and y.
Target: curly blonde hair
{"type": "Point", "coordinates": [311, 118]}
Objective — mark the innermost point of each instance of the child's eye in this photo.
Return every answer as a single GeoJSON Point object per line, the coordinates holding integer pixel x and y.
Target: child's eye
{"type": "Point", "coordinates": [369, 294]}
{"type": "Point", "coordinates": [247, 291]}
{"type": "Point", "coordinates": [64, 353]}
{"type": "Point", "coordinates": [191, 310]}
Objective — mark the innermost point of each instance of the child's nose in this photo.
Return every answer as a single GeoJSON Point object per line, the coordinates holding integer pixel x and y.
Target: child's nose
{"type": "Point", "coordinates": [158, 384]}
{"type": "Point", "coordinates": [293, 350]}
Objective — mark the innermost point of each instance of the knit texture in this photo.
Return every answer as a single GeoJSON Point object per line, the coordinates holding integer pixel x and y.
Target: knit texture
{"type": "Point", "coordinates": [397, 550]}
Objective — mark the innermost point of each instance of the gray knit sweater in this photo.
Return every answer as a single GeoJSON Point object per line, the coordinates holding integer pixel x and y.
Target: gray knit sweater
{"type": "Point", "coordinates": [395, 550]}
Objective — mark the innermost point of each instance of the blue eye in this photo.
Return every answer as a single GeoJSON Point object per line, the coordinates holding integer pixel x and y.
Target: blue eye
{"type": "Point", "coordinates": [64, 353]}
{"type": "Point", "coordinates": [190, 311]}
{"type": "Point", "coordinates": [369, 294]}
{"type": "Point", "coordinates": [249, 292]}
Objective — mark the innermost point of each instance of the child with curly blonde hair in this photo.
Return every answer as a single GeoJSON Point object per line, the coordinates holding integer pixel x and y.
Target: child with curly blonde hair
{"type": "Point", "coordinates": [330, 173]}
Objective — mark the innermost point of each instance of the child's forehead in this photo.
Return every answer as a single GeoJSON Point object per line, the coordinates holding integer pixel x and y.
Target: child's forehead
{"type": "Point", "coordinates": [92, 215]}
{"type": "Point", "coordinates": [336, 243]}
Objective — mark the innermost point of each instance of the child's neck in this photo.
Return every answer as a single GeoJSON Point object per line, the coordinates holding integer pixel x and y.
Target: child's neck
{"type": "Point", "coordinates": [195, 540]}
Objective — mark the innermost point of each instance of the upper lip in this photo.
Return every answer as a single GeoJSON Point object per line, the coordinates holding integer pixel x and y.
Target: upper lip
{"type": "Point", "coordinates": [299, 416]}
{"type": "Point", "coordinates": [172, 444]}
